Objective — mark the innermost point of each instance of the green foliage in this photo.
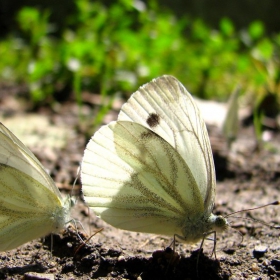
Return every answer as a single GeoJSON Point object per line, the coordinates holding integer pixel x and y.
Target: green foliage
{"type": "Point", "coordinates": [258, 119]}
{"type": "Point", "coordinates": [118, 48]}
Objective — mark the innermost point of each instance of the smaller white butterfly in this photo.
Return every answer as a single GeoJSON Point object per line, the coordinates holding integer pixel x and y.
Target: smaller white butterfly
{"type": "Point", "coordinates": [152, 170]}
{"type": "Point", "coordinates": [31, 206]}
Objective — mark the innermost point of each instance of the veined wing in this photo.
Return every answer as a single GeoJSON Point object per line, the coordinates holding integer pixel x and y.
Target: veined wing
{"type": "Point", "coordinates": [15, 154]}
{"type": "Point", "coordinates": [28, 209]}
{"type": "Point", "coordinates": [136, 180]}
{"type": "Point", "coordinates": [166, 107]}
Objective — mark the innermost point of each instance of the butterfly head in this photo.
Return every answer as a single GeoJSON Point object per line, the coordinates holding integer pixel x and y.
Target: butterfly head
{"type": "Point", "coordinates": [219, 223]}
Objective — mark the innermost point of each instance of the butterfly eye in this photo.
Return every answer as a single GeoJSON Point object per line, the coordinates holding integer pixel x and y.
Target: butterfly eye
{"type": "Point", "coordinates": [221, 223]}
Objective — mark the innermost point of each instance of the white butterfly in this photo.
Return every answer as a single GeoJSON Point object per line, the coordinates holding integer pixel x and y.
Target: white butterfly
{"type": "Point", "coordinates": [31, 206]}
{"type": "Point", "coordinates": [152, 170]}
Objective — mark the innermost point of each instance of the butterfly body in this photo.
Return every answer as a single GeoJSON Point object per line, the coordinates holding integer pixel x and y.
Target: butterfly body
{"type": "Point", "coordinates": [31, 206]}
{"type": "Point", "coordinates": [152, 170]}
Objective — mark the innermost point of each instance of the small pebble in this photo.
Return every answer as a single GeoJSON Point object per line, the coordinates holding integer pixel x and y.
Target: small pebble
{"type": "Point", "coordinates": [266, 262]}
{"type": "Point", "coordinates": [260, 249]}
{"type": "Point", "coordinates": [121, 258]}
{"type": "Point", "coordinates": [255, 267]}
{"type": "Point", "coordinates": [38, 276]}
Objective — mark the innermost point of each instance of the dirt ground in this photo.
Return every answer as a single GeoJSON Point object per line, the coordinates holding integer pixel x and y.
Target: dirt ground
{"type": "Point", "coordinates": [247, 176]}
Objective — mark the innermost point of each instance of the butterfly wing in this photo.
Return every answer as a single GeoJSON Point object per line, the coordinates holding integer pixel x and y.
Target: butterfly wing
{"type": "Point", "coordinates": [167, 108]}
{"type": "Point", "coordinates": [31, 206]}
{"type": "Point", "coordinates": [28, 210]}
{"type": "Point", "coordinates": [131, 178]}
{"type": "Point", "coordinates": [15, 154]}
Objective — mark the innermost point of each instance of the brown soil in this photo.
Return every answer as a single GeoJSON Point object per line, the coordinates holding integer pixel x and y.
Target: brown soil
{"type": "Point", "coordinates": [247, 177]}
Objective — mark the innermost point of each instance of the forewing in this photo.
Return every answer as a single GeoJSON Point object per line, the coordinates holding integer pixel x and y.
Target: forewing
{"type": "Point", "coordinates": [166, 107]}
{"type": "Point", "coordinates": [135, 180]}
{"type": "Point", "coordinates": [15, 154]}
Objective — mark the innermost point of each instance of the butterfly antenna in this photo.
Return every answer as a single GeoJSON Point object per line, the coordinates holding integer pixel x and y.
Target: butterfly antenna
{"type": "Point", "coordinates": [258, 221]}
{"type": "Point", "coordinates": [239, 232]}
{"type": "Point", "coordinates": [85, 242]}
{"type": "Point", "coordinates": [255, 208]}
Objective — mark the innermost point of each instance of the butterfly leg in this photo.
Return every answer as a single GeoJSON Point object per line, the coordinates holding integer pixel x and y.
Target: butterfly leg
{"type": "Point", "coordinates": [214, 247]}
{"type": "Point", "coordinates": [199, 251]}
{"type": "Point", "coordinates": [214, 240]}
{"type": "Point", "coordinates": [173, 242]}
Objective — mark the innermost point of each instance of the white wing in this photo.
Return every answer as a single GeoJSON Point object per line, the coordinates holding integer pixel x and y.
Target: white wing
{"type": "Point", "coordinates": [15, 154]}
{"type": "Point", "coordinates": [135, 180]}
{"type": "Point", "coordinates": [166, 107]}
{"type": "Point", "coordinates": [31, 206]}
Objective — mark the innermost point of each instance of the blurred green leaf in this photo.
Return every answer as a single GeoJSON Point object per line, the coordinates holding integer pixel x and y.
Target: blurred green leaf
{"type": "Point", "coordinates": [256, 30]}
{"type": "Point", "coordinates": [116, 48]}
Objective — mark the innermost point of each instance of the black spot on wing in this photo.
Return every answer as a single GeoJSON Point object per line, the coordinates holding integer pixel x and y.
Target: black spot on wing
{"type": "Point", "coordinates": [153, 120]}
{"type": "Point", "coordinates": [147, 135]}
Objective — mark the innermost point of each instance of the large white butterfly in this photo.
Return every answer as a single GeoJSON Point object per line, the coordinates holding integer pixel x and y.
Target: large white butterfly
{"type": "Point", "coordinates": [152, 170]}
{"type": "Point", "coordinates": [31, 206]}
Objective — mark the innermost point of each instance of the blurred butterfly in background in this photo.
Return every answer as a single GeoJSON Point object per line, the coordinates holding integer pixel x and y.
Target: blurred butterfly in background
{"type": "Point", "coordinates": [231, 123]}
{"type": "Point", "coordinates": [31, 206]}
{"type": "Point", "coordinates": [152, 170]}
